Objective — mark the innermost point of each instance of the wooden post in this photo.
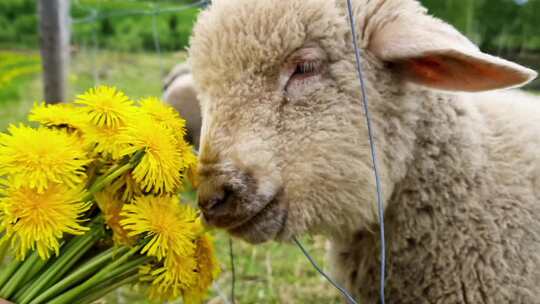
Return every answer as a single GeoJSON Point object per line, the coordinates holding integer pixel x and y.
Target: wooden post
{"type": "Point", "coordinates": [54, 25]}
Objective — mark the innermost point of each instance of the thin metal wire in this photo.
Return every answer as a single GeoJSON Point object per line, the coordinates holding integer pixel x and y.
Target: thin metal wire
{"type": "Point", "coordinates": [341, 289]}
{"type": "Point", "coordinates": [373, 150]}
{"type": "Point", "coordinates": [233, 271]}
{"type": "Point", "coordinates": [154, 12]}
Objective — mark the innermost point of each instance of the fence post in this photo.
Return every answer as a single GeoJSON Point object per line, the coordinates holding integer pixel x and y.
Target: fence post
{"type": "Point", "coordinates": [54, 26]}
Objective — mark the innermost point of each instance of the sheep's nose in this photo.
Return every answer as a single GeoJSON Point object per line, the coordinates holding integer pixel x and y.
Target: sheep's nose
{"type": "Point", "coordinates": [213, 202]}
{"type": "Point", "coordinates": [224, 194]}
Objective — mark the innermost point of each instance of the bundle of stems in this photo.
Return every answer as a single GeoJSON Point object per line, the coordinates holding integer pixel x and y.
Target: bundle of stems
{"type": "Point", "coordinates": [90, 201]}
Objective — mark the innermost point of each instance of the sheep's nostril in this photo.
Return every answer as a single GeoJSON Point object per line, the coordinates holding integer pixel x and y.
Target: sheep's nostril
{"type": "Point", "coordinates": [217, 202]}
{"type": "Point", "coordinates": [212, 203]}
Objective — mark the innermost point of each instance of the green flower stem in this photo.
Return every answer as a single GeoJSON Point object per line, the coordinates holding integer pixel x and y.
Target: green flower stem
{"type": "Point", "coordinates": [127, 269]}
{"type": "Point", "coordinates": [114, 252]}
{"type": "Point", "coordinates": [101, 292]}
{"type": "Point", "coordinates": [35, 269]}
{"type": "Point", "coordinates": [100, 178]}
{"type": "Point", "coordinates": [18, 278]}
{"type": "Point", "coordinates": [110, 170]}
{"type": "Point", "coordinates": [67, 267]}
{"type": "Point", "coordinates": [107, 180]}
{"type": "Point", "coordinates": [136, 158]}
{"type": "Point", "coordinates": [71, 295]}
{"type": "Point", "coordinates": [80, 244]}
{"type": "Point", "coordinates": [105, 271]}
{"type": "Point", "coordinates": [79, 274]}
{"type": "Point", "coordinates": [30, 278]}
{"type": "Point", "coordinates": [4, 247]}
{"type": "Point", "coordinates": [8, 271]}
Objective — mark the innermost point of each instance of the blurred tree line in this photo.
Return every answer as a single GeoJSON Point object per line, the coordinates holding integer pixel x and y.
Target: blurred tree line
{"type": "Point", "coordinates": [495, 25]}
{"type": "Point", "coordinates": [499, 26]}
{"type": "Point", "coordinates": [112, 24]}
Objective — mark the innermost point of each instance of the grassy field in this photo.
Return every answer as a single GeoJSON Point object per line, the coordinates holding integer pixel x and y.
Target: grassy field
{"type": "Point", "coordinates": [270, 273]}
{"type": "Point", "coordinates": [137, 74]}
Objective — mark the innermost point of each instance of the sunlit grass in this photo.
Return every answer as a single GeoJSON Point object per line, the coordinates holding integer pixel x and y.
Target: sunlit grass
{"type": "Point", "coordinates": [138, 75]}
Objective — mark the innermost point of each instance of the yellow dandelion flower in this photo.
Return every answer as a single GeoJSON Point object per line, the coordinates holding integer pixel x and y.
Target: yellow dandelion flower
{"type": "Point", "coordinates": [104, 140]}
{"type": "Point", "coordinates": [58, 115]}
{"type": "Point", "coordinates": [37, 157]}
{"type": "Point", "coordinates": [207, 270]}
{"type": "Point", "coordinates": [167, 116]}
{"type": "Point", "coordinates": [190, 163]}
{"type": "Point", "coordinates": [159, 170]}
{"type": "Point", "coordinates": [127, 187]}
{"type": "Point", "coordinates": [193, 176]}
{"type": "Point", "coordinates": [106, 106]}
{"type": "Point", "coordinates": [169, 279]}
{"type": "Point", "coordinates": [169, 226]}
{"type": "Point", "coordinates": [188, 155]}
{"type": "Point", "coordinates": [37, 220]}
{"type": "Point", "coordinates": [111, 207]}
{"type": "Point", "coordinates": [164, 114]}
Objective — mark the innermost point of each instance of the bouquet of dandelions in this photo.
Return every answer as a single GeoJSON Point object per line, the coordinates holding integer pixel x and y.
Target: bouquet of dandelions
{"type": "Point", "coordinates": [89, 201]}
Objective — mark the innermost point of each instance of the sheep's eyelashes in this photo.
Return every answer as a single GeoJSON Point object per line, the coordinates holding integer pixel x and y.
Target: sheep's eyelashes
{"type": "Point", "coordinates": [301, 75]}
{"type": "Point", "coordinates": [306, 68]}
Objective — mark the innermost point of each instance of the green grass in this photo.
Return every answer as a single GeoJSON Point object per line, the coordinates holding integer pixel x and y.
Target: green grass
{"type": "Point", "coordinates": [137, 74]}
{"type": "Point", "coordinates": [17, 71]}
{"type": "Point", "coordinates": [276, 273]}
{"type": "Point", "coordinates": [268, 273]}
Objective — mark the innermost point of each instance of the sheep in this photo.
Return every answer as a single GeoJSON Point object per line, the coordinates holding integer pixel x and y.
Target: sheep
{"type": "Point", "coordinates": [179, 92]}
{"type": "Point", "coordinates": [284, 147]}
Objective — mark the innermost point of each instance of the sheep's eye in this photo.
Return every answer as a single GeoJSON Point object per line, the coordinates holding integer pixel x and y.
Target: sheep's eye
{"type": "Point", "coordinates": [306, 68]}
{"type": "Point", "coordinates": [300, 75]}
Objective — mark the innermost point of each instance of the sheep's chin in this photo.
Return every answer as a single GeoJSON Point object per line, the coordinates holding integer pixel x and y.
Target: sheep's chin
{"type": "Point", "coordinates": [269, 224]}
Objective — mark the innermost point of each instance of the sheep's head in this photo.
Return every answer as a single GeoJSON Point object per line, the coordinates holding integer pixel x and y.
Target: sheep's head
{"type": "Point", "coordinates": [283, 147]}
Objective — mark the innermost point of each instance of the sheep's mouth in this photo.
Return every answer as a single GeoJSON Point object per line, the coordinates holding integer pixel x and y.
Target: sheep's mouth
{"type": "Point", "coordinates": [252, 216]}
{"type": "Point", "coordinates": [264, 225]}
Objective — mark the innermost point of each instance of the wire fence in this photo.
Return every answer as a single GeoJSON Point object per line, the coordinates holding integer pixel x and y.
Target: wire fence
{"type": "Point", "coordinates": [155, 12]}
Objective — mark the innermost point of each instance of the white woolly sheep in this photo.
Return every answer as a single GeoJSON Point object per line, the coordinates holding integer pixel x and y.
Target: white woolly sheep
{"type": "Point", "coordinates": [179, 92]}
{"type": "Point", "coordinates": [284, 147]}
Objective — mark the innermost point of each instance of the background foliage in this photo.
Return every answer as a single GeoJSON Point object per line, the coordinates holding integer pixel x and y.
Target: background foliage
{"type": "Point", "coordinates": [496, 25]}
{"type": "Point", "coordinates": [124, 32]}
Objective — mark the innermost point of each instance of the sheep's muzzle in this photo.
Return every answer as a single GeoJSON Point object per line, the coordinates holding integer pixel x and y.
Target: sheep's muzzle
{"type": "Point", "coordinates": [238, 202]}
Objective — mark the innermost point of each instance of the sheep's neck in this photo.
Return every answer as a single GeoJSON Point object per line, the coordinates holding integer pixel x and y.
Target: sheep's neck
{"type": "Point", "coordinates": [439, 145]}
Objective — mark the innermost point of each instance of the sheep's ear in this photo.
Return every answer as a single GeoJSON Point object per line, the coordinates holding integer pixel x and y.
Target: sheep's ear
{"type": "Point", "coordinates": [432, 53]}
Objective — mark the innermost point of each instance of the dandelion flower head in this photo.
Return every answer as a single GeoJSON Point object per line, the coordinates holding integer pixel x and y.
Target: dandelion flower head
{"type": "Point", "coordinates": [164, 114]}
{"type": "Point", "coordinates": [170, 228]}
{"type": "Point", "coordinates": [207, 270]}
{"type": "Point", "coordinates": [159, 170]}
{"type": "Point", "coordinates": [58, 115]}
{"type": "Point", "coordinates": [104, 140]}
{"type": "Point", "coordinates": [37, 157]}
{"type": "Point", "coordinates": [126, 187]}
{"type": "Point", "coordinates": [111, 208]}
{"type": "Point", "coordinates": [170, 279]}
{"type": "Point", "coordinates": [37, 220]}
{"type": "Point", "coordinates": [106, 106]}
